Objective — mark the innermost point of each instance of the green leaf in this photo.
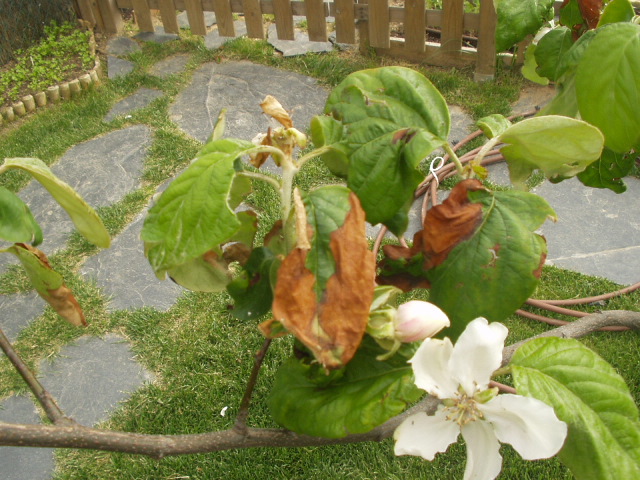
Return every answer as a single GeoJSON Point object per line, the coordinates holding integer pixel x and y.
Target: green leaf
{"type": "Point", "coordinates": [400, 96]}
{"type": "Point", "coordinates": [207, 273]}
{"type": "Point", "coordinates": [565, 102]}
{"type": "Point", "coordinates": [195, 214]}
{"type": "Point", "coordinates": [83, 216]}
{"type": "Point", "coordinates": [608, 171]}
{"type": "Point", "coordinates": [608, 85]}
{"type": "Point", "coordinates": [529, 67]}
{"type": "Point", "coordinates": [603, 440]}
{"type": "Point", "coordinates": [550, 50]}
{"type": "Point", "coordinates": [392, 118]}
{"type": "Point", "coordinates": [559, 146]}
{"type": "Point", "coordinates": [493, 125]}
{"type": "Point", "coordinates": [326, 209]}
{"type": "Point", "coordinates": [616, 11]}
{"type": "Point", "coordinates": [570, 15]}
{"type": "Point", "coordinates": [494, 270]}
{"type": "Point", "coordinates": [355, 399]}
{"type": "Point", "coordinates": [519, 18]}
{"type": "Point", "coordinates": [252, 291]}
{"type": "Point", "coordinates": [17, 224]}
{"type": "Point", "coordinates": [328, 132]}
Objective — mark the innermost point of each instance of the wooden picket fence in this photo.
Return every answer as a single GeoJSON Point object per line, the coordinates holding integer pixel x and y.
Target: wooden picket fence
{"type": "Point", "coordinates": [364, 22]}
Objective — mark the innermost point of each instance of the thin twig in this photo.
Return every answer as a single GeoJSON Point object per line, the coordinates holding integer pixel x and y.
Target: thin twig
{"type": "Point", "coordinates": [243, 412]}
{"type": "Point", "coordinates": [45, 399]}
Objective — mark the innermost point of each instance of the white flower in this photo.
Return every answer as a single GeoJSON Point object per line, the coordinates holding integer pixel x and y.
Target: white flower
{"type": "Point", "coordinates": [460, 376]}
{"type": "Point", "coordinates": [417, 320]}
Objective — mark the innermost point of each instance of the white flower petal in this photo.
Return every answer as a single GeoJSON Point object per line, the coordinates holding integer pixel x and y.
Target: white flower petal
{"type": "Point", "coordinates": [477, 354]}
{"type": "Point", "coordinates": [483, 451]}
{"type": "Point", "coordinates": [527, 424]}
{"type": "Point", "coordinates": [431, 368]}
{"type": "Point", "coordinates": [423, 435]}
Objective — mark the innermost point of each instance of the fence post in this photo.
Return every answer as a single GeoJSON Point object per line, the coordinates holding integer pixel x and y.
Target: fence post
{"type": "Point", "coordinates": [415, 25]}
{"type": "Point", "coordinates": [111, 18]}
{"type": "Point", "coordinates": [486, 59]}
{"type": "Point", "coordinates": [452, 27]}
{"type": "Point", "coordinates": [379, 23]}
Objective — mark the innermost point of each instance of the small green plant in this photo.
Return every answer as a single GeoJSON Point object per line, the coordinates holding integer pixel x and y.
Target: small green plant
{"type": "Point", "coordinates": [64, 49]}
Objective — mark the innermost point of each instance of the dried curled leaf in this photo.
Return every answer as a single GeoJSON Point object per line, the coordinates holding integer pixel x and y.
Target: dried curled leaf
{"type": "Point", "coordinates": [333, 325]}
{"type": "Point", "coordinates": [452, 222]}
{"type": "Point", "coordinates": [272, 107]}
{"type": "Point", "coordinates": [49, 284]}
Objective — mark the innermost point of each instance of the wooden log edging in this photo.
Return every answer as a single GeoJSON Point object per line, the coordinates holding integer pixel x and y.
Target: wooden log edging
{"type": "Point", "coordinates": [54, 94]}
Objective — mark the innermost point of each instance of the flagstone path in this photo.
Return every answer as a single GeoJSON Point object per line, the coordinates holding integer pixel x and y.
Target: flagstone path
{"type": "Point", "coordinates": [598, 232]}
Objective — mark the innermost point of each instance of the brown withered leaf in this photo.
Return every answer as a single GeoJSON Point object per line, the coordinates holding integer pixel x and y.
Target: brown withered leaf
{"type": "Point", "coordinates": [451, 222]}
{"type": "Point", "coordinates": [66, 305]}
{"type": "Point", "coordinates": [273, 108]}
{"type": "Point", "coordinates": [345, 312]}
{"type": "Point", "coordinates": [333, 327]}
{"type": "Point", "coordinates": [49, 284]}
{"type": "Point", "coordinates": [403, 280]}
{"type": "Point", "coordinates": [258, 159]}
{"type": "Point", "coordinates": [590, 11]}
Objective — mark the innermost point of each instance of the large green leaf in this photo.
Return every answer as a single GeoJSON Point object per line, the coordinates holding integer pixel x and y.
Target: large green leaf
{"type": "Point", "coordinates": [496, 265]}
{"type": "Point", "coordinates": [616, 11]}
{"type": "Point", "coordinates": [83, 216]}
{"type": "Point", "coordinates": [603, 440]}
{"type": "Point", "coordinates": [355, 399]}
{"type": "Point", "coordinates": [608, 85]}
{"type": "Point", "coordinates": [550, 50]}
{"type": "Point", "coordinates": [397, 95]}
{"type": "Point", "coordinates": [195, 214]}
{"type": "Point", "coordinates": [559, 146]}
{"type": "Point", "coordinates": [565, 102]}
{"type": "Point", "coordinates": [17, 224]}
{"type": "Point", "coordinates": [529, 68]}
{"type": "Point", "coordinates": [519, 18]}
{"type": "Point", "coordinates": [608, 171]}
{"type": "Point", "coordinates": [385, 122]}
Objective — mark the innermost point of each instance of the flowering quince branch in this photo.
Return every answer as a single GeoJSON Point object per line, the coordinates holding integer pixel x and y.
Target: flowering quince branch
{"type": "Point", "coordinates": [159, 446]}
{"type": "Point", "coordinates": [459, 375]}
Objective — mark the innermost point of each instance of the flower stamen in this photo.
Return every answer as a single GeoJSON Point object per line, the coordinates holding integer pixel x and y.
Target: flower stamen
{"type": "Point", "coordinates": [463, 410]}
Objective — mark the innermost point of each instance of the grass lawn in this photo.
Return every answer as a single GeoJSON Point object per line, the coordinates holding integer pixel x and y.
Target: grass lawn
{"type": "Point", "coordinates": [199, 354]}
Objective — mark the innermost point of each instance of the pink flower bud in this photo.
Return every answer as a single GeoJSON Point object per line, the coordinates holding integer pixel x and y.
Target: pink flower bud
{"type": "Point", "coordinates": [417, 320]}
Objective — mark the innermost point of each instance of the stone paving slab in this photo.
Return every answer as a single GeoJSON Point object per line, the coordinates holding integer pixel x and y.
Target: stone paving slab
{"type": "Point", "coordinates": [17, 311]}
{"type": "Point", "coordinates": [170, 65]}
{"type": "Point", "coordinates": [118, 67]}
{"type": "Point", "coordinates": [140, 99]}
{"type": "Point", "coordinates": [213, 39]}
{"type": "Point", "coordinates": [598, 231]}
{"type": "Point", "coordinates": [158, 36]}
{"type": "Point", "coordinates": [122, 46]}
{"type": "Point", "coordinates": [125, 275]}
{"type": "Point", "coordinates": [300, 46]}
{"type": "Point", "coordinates": [17, 463]}
{"type": "Point", "coordinates": [91, 376]}
{"type": "Point", "coordinates": [241, 87]}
